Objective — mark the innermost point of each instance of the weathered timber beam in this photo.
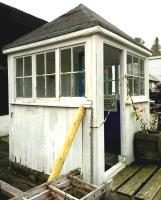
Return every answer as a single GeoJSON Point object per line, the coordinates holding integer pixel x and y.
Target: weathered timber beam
{"type": "Point", "coordinates": [93, 187]}
{"type": "Point", "coordinates": [61, 193]}
{"type": "Point", "coordinates": [98, 193]}
{"type": "Point", "coordinates": [9, 190]}
{"type": "Point", "coordinates": [56, 196]}
{"type": "Point", "coordinates": [63, 184]}
{"type": "Point", "coordinates": [83, 187]}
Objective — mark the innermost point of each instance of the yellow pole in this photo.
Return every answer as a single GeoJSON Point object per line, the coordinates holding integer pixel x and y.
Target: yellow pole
{"type": "Point", "coordinates": [55, 172]}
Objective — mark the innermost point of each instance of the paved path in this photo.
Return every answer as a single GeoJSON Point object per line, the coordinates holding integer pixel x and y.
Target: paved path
{"type": "Point", "coordinates": [4, 125]}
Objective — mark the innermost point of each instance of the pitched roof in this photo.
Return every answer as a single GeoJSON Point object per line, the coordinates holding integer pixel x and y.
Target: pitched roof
{"type": "Point", "coordinates": [76, 19]}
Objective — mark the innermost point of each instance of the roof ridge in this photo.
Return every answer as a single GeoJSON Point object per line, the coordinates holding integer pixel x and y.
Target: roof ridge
{"type": "Point", "coordinates": [84, 9]}
{"type": "Point", "coordinates": [97, 18]}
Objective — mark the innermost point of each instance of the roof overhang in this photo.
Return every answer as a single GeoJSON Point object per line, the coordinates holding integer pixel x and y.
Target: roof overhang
{"type": "Point", "coordinates": [154, 57]}
{"type": "Point", "coordinates": [84, 32]}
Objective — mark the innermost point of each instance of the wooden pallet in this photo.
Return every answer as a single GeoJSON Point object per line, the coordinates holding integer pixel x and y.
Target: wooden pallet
{"type": "Point", "coordinates": [137, 182]}
{"type": "Point", "coordinates": [9, 190]}
{"type": "Point", "coordinates": [69, 187]}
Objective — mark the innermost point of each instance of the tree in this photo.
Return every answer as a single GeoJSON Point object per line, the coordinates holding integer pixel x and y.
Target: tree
{"type": "Point", "coordinates": [156, 48]}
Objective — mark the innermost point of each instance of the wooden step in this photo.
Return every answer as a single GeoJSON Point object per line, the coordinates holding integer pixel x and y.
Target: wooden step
{"type": "Point", "coordinates": [152, 189]}
{"type": "Point", "coordinates": [135, 183]}
{"type": "Point", "coordinates": [124, 175]}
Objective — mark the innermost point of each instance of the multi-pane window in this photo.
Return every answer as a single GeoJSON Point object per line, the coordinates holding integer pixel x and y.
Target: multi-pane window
{"type": "Point", "coordinates": [24, 77]}
{"type": "Point", "coordinates": [135, 75]}
{"type": "Point", "coordinates": [41, 77]}
{"type": "Point", "coordinates": [45, 74]}
{"type": "Point", "coordinates": [73, 71]}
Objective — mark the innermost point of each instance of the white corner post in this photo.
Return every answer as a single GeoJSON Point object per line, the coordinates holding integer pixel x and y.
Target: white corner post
{"type": "Point", "coordinates": [123, 99]}
{"type": "Point", "coordinates": [98, 109]}
{"type": "Point", "coordinates": [146, 68]}
{"type": "Point", "coordinates": [146, 86]}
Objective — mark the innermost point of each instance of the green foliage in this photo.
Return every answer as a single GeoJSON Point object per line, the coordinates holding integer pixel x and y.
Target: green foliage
{"type": "Point", "coordinates": [156, 47]}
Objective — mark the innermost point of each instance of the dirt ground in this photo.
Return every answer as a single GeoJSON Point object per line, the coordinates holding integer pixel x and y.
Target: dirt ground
{"type": "Point", "coordinates": [7, 174]}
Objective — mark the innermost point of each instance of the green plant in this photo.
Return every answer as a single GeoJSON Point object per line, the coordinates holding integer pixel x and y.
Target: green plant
{"type": "Point", "coordinates": [146, 125]}
{"type": "Point", "coordinates": [139, 113]}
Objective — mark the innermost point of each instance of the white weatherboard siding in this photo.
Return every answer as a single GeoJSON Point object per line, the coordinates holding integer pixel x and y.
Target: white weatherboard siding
{"type": "Point", "coordinates": [37, 134]}
{"type": "Point", "coordinates": [4, 125]}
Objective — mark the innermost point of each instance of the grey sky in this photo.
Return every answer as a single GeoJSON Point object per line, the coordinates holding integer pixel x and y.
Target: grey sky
{"type": "Point", "coordinates": [138, 18]}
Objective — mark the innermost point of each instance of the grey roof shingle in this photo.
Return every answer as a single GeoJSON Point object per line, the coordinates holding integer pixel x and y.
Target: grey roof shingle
{"type": "Point", "coordinates": [76, 19]}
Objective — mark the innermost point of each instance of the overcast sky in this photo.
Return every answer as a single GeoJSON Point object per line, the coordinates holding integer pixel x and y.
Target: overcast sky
{"type": "Point", "coordinates": [138, 18]}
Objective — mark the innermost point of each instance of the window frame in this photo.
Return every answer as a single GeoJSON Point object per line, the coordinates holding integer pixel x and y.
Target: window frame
{"type": "Point", "coordinates": [134, 76]}
{"type": "Point", "coordinates": [45, 74]}
{"type": "Point", "coordinates": [71, 47]}
{"type": "Point", "coordinates": [58, 99]}
{"type": "Point", "coordinates": [23, 77]}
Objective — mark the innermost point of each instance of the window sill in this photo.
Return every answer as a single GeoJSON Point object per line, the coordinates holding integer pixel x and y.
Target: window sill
{"type": "Point", "coordinates": [72, 102]}
{"type": "Point", "coordinates": [137, 99]}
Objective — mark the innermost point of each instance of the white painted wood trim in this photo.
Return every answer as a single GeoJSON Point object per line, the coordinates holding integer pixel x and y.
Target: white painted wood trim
{"type": "Point", "coordinates": [56, 104]}
{"type": "Point", "coordinates": [33, 76]}
{"type": "Point", "coordinates": [57, 71]}
{"type": "Point", "coordinates": [109, 174]}
{"type": "Point", "coordinates": [146, 69]}
{"type": "Point", "coordinates": [123, 98]}
{"type": "Point", "coordinates": [118, 45]}
{"type": "Point", "coordinates": [154, 57]}
{"type": "Point", "coordinates": [98, 109]}
{"type": "Point", "coordinates": [68, 36]}
{"type": "Point", "coordinates": [95, 29]}
{"type": "Point", "coordinates": [124, 41]}
{"type": "Point", "coordinates": [137, 99]}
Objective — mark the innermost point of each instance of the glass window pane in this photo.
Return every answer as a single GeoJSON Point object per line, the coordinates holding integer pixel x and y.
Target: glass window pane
{"type": "Point", "coordinates": [130, 85]}
{"type": "Point", "coordinates": [40, 64]}
{"type": "Point", "coordinates": [79, 84]}
{"type": "Point", "coordinates": [19, 67]}
{"type": "Point", "coordinates": [27, 66]}
{"type": "Point", "coordinates": [142, 68]}
{"type": "Point", "coordinates": [105, 73]}
{"type": "Point", "coordinates": [78, 59]}
{"type": "Point", "coordinates": [40, 82]}
{"type": "Point", "coordinates": [66, 60]}
{"type": "Point", "coordinates": [66, 85]}
{"type": "Point", "coordinates": [50, 86]}
{"type": "Point", "coordinates": [142, 90]}
{"type": "Point", "coordinates": [109, 87]}
{"type": "Point", "coordinates": [27, 87]}
{"type": "Point", "coordinates": [50, 62]}
{"type": "Point", "coordinates": [19, 87]}
{"type": "Point", "coordinates": [129, 65]}
{"type": "Point", "coordinates": [105, 88]}
{"type": "Point", "coordinates": [109, 73]}
{"type": "Point", "coordinates": [136, 66]}
{"type": "Point", "coordinates": [136, 86]}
